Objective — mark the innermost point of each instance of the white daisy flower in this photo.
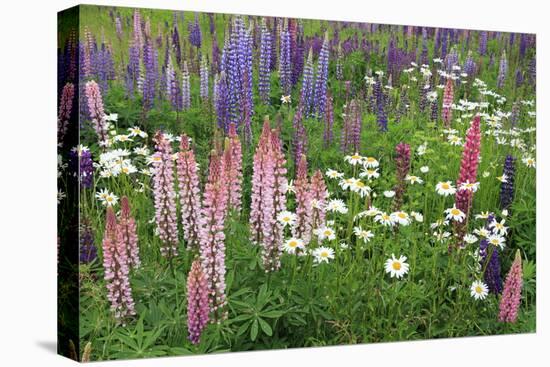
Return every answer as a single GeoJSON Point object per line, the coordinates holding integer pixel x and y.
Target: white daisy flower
{"type": "Point", "coordinates": [470, 238]}
{"type": "Point", "coordinates": [439, 223]}
{"type": "Point", "coordinates": [499, 227]}
{"type": "Point", "coordinates": [442, 236]}
{"type": "Point", "coordinates": [455, 214]}
{"type": "Point", "coordinates": [353, 159]}
{"type": "Point", "coordinates": [286, 218]}
{"type": "Point", "coordinates": [370, 162]}
{"type": "Point", "coordinates": [347, 183]}
{"type": "Point", "coordinates": [445, 188]}
{"type": "Point", "coordinates": [323, 254]}
{"type": "Point", "coordinates": [469, 186]}
{"type": "Point", "coordinates": [330, 173]}
{"type": "Point", "coordinates": [529, 162]}
{"type": "Point", "coordinates": [482, 215]}
{"type": "Point", "coordinates": [337, 205]}
{"type": "Point", "coordinates": [106, 198]}
{"type": "Point", "coordinates": [384, 219]}
{"type": "Point", "coordinates": [496, 240]}
{"type": "Point", "coordinates": [369, 173]}
{"type": "Point", "coordinates": [479, 290]}
{"type": "Point", "coordinates": [292, 245]}
{"type": "Point", "coordinates": [136, 131]}
{"type": "Point", "coordinates": [360, 188]}
{"type": "Point", "coordinates": [401, 217]}
{"type": "Point", "coordinates": [424, 169]}
{"type": "Point", "coordinates": [417, 216]}
{"type": "Point", "coordinates": [325, 233]}
{"type": "Point", "coordinates": [285, 99]}
{"type": "Point", "coordinates": [389, 193]}
{"type": "Point", "coordinates": [482, 232]}
{"type": "Point", "coordinates": [397, 267]}
{"type": "Point", "coordinates": [413, 179]}
{"type": "Point", "coordinates": [362, 234]}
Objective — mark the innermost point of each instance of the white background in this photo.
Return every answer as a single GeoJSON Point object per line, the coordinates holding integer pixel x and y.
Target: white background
{"type": "Point", "coordinates": [28, 181]}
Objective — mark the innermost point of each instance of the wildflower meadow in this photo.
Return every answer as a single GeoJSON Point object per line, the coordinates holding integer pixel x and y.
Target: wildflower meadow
{"type": "Point", "coordinates": [240, 183]}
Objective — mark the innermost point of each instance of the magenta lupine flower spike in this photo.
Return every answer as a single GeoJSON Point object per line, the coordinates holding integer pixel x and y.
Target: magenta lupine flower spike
{"type": "Point", "coordinates": [511, 296]}
{"type": "Point", "coordinates": [302, 228]}
{"type": "Point", "coordinates": [189, 191]}
{"type": "Point", "coordinates": [96, 111]}
{"type": "Point", "coordinates": [319, 196]}
{"type": "Point", "coordinates": [165, 196]}
{"type": "Point", "coordinates": [448, 95]}
{"type": "Point", "coordinates": [403, 163]}
{"type": "Point", "coordinates": [212, 248]}
{"type": "Point", "coordinates": [233, 169]}
{"type": "Point", "coordinates": [258, 173]}
{"type": "Point", "coordinates": [115, 264]}
{"type": "Point", "coordinates": [128, 233]}
{"type": "Point", "coordinates": [197, 302]}
{"type": "Point", "coordinates": [468, 164]}
{"type": "Point", "coordinates": [64, 113]}
{"type": "Point", "coordinates": [468, 172]}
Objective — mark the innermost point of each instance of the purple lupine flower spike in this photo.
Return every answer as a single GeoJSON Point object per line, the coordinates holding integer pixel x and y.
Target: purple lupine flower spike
{"type": "Point", "coordinates": [507, 185]}
{"type": "Point", "coordinates": [264, 83]}
{"type": "Point", "coordinates": [321, 80]}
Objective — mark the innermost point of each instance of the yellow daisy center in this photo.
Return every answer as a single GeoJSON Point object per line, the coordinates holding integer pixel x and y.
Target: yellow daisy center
{"type": "Point", "coordinates": [478, 289]}
{"type": "Point", "coordinates": [355, 156]}
{"type": "Point", "coordinates": [293, 243]}
{"type": "Point", "coordinates": [455, 212]}
{"type": "Point", "coordinates": [445, 186]}
{"type": "Point", "coordinates": [327, 232]}
{"type": "Point", "coordinates": [324, 254]}
{"type": "Point", "coordinates": [396, 265]}
{"type": "Point", "coordinates": [402, 215]}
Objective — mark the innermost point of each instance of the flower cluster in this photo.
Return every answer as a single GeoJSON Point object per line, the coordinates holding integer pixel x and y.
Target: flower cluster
{"type": "Point", "coordinates": [165, 196]}
{"type": "Point", "coordinates": [212, 237]}
{"type": "Point", "coordinates": [197, 302]}
{"type": "Point", "coordinates": [189, 192]}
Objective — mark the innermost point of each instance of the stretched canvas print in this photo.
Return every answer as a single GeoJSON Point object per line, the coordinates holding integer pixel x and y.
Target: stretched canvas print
{"type": "Point", "coordinates": [235, 183]}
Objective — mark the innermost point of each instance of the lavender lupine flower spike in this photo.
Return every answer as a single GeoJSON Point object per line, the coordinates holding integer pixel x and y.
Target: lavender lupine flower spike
{"type": "Point", "coordinates": [128, 233]}
{"type": "Point", "coordinates": [284, 61]}
{"type": "Point", "coordinates": [95, 109]}
{"type": "Point", "coordinates": [65, 111]}
{"type": "Point", "coordinates": [186, 87]}
{"type": "Point", "coordinates": [329, 121]}
{"type": "Point", "coordinates": [502, 70]}
{"type": "Point", "coordinates": [222, 101]}
{"type": "Point", "coordinates": [165, 196]}
{"type": "Point", "coordinates": [212, 247]}
{"type": "Point", "coordinates": [197, 302]}
{"type": "Point", "coordinates": [303, 229]}
{"type": "Point", "coordinates": [150, 61]}
{"type": "Point", "coordinates": [204, 93]}
{"type": "Point", "coordinates": [507, 185]}
{"type": "Point", "coordinates": [258, 178]}
{"type": "Point", "coordinates": [189, 191]}
{"type": "Point", "coordinates": [321, 80]}
{"type": "Point", "coordinates": [115, 264]}
{"type": "Point", "coordinates": [264, 83]}
{"type": "Point", "coordinates": [306, 97]}
{"type": "Point", "coordinates": [173, 87]}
